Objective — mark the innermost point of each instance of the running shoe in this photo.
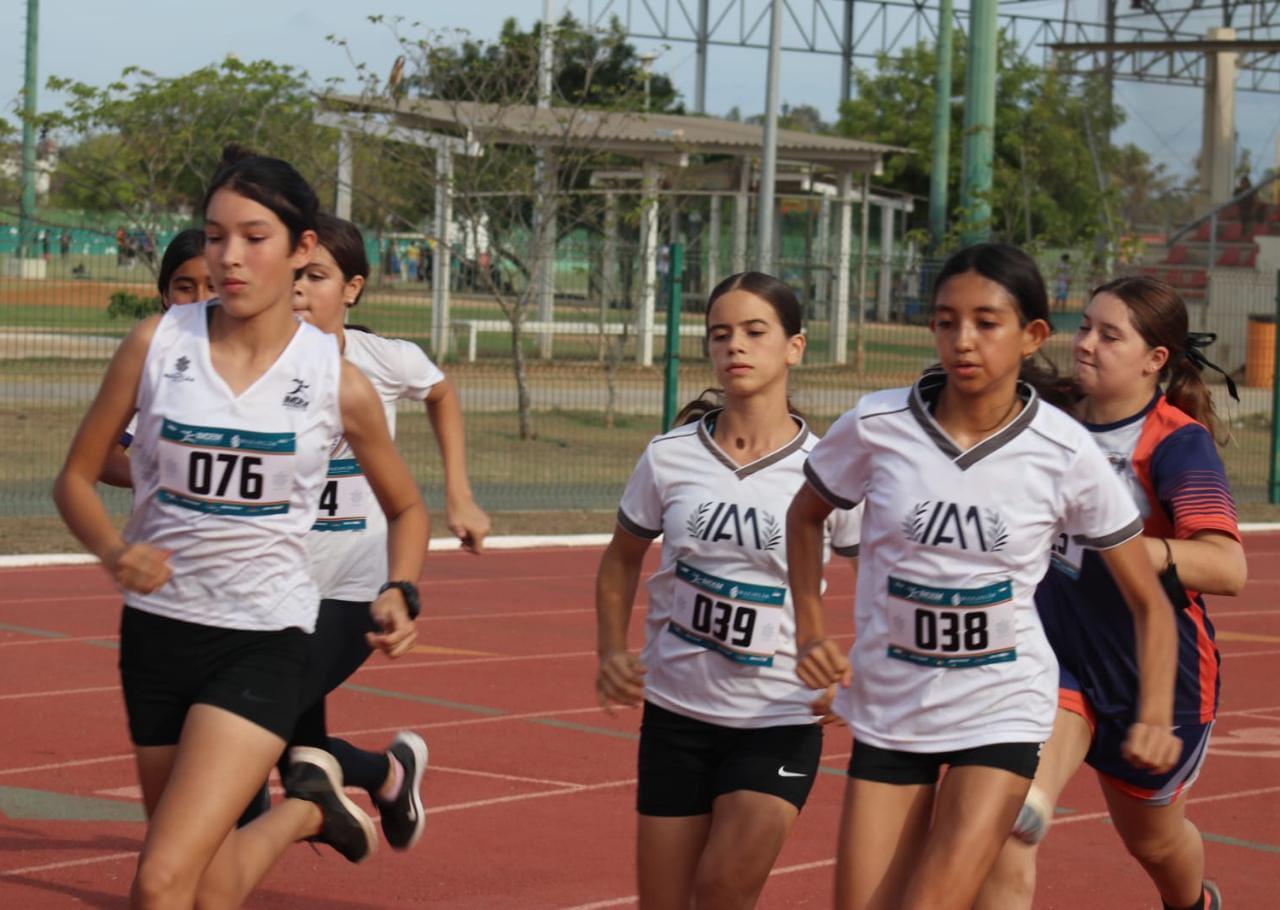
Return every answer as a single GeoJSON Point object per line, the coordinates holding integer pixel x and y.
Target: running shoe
{"type": "Point", "coordinates": [1034, 817]}
{"type": "Point", "coordinates": [315, 776]}
{"type": "Point", "coordinates": [1212, 896]}
{"type": "Point", "coordinates": [403, 818]}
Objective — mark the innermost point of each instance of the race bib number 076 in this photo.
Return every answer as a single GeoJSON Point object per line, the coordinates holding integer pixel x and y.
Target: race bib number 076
{"type": "Point", "coordinates": [225, 472]}
{"type": "Point", "coordinates": [951, 627]}
{"type": "Point", "coordinates": [742, 622]}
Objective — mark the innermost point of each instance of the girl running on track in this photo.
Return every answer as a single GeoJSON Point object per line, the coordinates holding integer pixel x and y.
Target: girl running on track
{"type": "Point", "coordinates": [967, 478]}
{"type": "Point", "coordinates": [183, 278]}
{"type": "Point", "coordinates": [348, 541]}
{"type": "Point", "coordinates": [239, 406]}
{"type": "Point", "coordinates": [1132, 340]}
{"type": "Point", "coordinates": [729, 744]}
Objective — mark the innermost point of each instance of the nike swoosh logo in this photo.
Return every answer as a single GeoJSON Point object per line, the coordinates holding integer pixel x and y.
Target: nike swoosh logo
{"type": "Point", "coordinates": [783, 772]}
{"type": "Point", "coordinates": [252, 696]}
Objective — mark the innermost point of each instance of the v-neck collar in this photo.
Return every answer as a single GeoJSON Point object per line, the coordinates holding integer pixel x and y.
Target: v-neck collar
{"type": "Point", "coordinates": [926, 390]}
{"type": "Point", "coordinates": [706, 433]}
{"type": "Point", "coordinates": [206, 351]}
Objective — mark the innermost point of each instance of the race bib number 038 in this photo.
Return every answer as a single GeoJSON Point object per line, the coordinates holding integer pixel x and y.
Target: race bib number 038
{"type": "Point", "coordinates": [951, 627]}
{"type": "Point", "coordinates": [225, 472]}
{"type": "Point", "coordinates": [742, 622]}
{"type": "Point", "coordinates": [344, 502]}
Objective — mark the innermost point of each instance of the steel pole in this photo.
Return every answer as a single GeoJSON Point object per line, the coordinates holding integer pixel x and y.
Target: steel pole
{"type": "Point", "coordinates": [941, 129]}
{"type": "Point", "coordinates": [769, 157]}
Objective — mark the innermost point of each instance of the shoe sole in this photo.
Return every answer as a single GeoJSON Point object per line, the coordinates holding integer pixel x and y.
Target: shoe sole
{"type": "Point", "coordinates": [333, 772]}
{"type": "Point", "coordinates": [418, 746]}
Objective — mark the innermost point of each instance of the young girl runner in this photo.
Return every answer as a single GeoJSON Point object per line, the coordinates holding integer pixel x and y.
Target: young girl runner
{"type": "Point", "coordinates": [348, 541]}
{"type": "Point", "coordinates": [729, 745]}
{"type": "Point", "coordinates": [967, 478]}
{"type": "Point", "coordinates": [238, 407]}
{"type": "Point", "coordinates": [1132, 339]}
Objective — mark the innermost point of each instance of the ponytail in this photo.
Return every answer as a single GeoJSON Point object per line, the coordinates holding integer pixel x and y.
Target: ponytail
{"type": "Point", "coordinates": [1186, 391]}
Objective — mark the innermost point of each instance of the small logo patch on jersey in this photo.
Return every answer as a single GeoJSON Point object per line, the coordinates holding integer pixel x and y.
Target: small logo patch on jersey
{"type": "Point", "coordinates": [179, 372]}
{"type": "Point", "coordinates": [941, 523]}
{"type": "Point", "coordinates": [295, 397]}
{"type": "Point", "coordinates": [715, 521]}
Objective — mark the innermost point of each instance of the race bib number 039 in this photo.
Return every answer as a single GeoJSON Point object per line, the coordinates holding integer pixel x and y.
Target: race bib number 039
{"type": "Point", "coordinates": [951, 627]}
{"type": "Point", "coordinates": [344, 502]}
{"type": "Point", "coordinates": [225, 472]}
{"type": "Point", "coordinates": [742, 622]}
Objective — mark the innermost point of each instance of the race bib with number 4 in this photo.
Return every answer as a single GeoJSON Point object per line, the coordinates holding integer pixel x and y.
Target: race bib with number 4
{"type": "Point", "coordinates": [951, 627]}
{"type": "Point", "coordinates": [740, 621]}
{"type": "Point", "coordinates": [344, 502]}
{"type": "Point", "coordinates": [224, 471]}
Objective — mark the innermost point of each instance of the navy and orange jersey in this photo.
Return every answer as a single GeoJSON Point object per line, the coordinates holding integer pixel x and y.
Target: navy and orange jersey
{"type": "Point", "coordinates": [1178, 482]}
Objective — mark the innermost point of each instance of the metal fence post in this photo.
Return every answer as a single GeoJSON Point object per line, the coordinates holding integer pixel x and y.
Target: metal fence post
{"type": "Point", "coordinates": [671, 379]}
{"type": "Point", "coordinates": [1273, 479]}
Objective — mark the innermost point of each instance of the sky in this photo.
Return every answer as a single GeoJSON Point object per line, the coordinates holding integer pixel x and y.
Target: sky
{"type": "Point", "coordinates": [93, 41]}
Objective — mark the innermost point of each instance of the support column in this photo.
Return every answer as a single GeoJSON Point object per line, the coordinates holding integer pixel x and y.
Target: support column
{"type": "Point", "coordinates": [822, 286]}
{"type": "Point", "coordinates": [741, 214]}
{"type": "Point", "coordinates": [844, 237]}
{"type": "Point", "coordinates": [609, 280]}
{"type": "Point", "coordinates": [941, 152]}
{"type": "Point", "coordinates": [27, 199]}
{"type": "Point", "coordinates": [859, 345]}
{"type": "Point", "coordinates": [545, 239]}
{"type": "Point", "coordinates": [884, 290]}
{"type": "Point", "coordinates": [700, 67]}
{"type": "Point", "coordinates": [342, 204]}
{"type": "Point", "coordinates": [1217, 149]}
{"type": "Point", "coordinates": [648, 264]}
{"type": "Point", "coordinates": [979, 119]}
{"type": "Point", "coordinates": [713, 244]}
{"type": "Point", "coordinates": [441, 259]}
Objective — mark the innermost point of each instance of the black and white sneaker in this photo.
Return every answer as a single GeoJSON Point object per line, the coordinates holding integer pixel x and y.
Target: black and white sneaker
{"type": "Point", "coordinates": [403, 817]}
{"type": "Point", "coordinates": [315, 776]}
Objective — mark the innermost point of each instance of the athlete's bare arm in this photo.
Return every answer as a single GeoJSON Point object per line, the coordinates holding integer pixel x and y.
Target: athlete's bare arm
{"type": "Point", "coordinates": [408, 527]}
{"type": "Point", "coordinates": [1210, 562]}
{"type": "Point", "coordinates": [820, 662]}
{"type": "Point", "coordinates": [137, 566]}
{"type": "Point", "coordinates": [620, 678]}
{"type": "Point", "coordinates": [466, 519]}
{"type": "Point", "coordinates": [1150, 743]}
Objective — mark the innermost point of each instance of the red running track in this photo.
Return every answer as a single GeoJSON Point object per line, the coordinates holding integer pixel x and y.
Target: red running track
{"type": "Point", "coordinates": [531, 786]}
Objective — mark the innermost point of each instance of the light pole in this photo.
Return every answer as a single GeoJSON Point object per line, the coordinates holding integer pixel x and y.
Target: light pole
{"type": "Point", "coordinates": [646, 67]}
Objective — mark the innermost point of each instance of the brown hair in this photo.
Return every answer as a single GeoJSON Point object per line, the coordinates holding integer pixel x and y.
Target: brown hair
{"type": "Point", "coordinates": [1159, 314]}
{"type": "Point", "coordinates": [773, 291]}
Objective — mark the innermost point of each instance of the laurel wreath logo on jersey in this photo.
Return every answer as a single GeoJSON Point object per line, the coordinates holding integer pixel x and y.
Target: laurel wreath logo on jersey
{"type": "Point", "coordinates": [715, 521]}
{"type": "Point", "coordinates": [937, 523]}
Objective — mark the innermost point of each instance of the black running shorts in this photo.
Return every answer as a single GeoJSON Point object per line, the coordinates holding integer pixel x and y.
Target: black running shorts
{"type": "Point", "coordinates": [892, 766]}
{"type": "Point", "coordinates": [167, 665]}
{"type": "Point", "coordinates": [685, 763]}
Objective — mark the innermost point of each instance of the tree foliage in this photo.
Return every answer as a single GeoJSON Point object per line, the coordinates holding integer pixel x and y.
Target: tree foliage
{"type": "Point", "coordinates": [147, 144]}
{"type": "Point", "coordinates": [1050, 147]}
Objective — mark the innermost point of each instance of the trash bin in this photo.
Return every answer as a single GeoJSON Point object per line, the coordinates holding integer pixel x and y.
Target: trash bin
{"type": "Point", "coordinates": [1260, 352]}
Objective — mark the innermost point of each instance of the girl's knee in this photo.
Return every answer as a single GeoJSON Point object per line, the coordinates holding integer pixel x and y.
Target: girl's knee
{"type": "Point", "coordinates": [162, 882]}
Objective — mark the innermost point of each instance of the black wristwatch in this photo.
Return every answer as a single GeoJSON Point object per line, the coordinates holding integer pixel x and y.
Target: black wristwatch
{"type": "Point", "coordinates": [410, 593]}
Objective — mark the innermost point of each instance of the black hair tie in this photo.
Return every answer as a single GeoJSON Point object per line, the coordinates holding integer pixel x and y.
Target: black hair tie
{"type": "Point", "coordinates": [1196, 342]}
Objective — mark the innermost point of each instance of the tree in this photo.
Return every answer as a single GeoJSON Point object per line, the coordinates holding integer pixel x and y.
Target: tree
{"type": "Point", "coordinates": [1049, 145]}
{"type": "Point", "coordinates": [495, 193]}
{"type": "Point", "coordinates": [146, 144]}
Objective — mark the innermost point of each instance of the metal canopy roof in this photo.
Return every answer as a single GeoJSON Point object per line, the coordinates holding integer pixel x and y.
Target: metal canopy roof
{"type": "Point", "coordinates": [638, 135]}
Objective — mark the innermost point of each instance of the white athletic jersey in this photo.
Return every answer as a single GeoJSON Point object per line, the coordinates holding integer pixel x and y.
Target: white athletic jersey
{"type": "Point", "coordinates": [230, 483]}
{"type": "Point", "coordinates": [720, 638]}
{"type": "Point", "coordinates": [950, 653]}
{"type": "Point", "coordinates": [348, 543]}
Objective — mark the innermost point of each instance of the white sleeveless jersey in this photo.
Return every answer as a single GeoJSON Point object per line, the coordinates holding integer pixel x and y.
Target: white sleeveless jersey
{"type": "Point", "coordinates": [720, 641]}
{"type": "Point", "coordinates": [950, 652]}
{"type": "Point", "coordinates": [348, 543]}
{"type": "Point", "coordinates": [230, 483]}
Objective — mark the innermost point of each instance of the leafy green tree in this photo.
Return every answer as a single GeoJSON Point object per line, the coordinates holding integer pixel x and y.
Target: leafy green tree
{"type": "Point", "coordinates": [146, 144]}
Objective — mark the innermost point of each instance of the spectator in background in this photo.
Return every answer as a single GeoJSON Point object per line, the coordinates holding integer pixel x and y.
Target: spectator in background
{"type": "Point", "coordinates": [1062, 282]}
{"type": "Point", "coordinates": [1245, 206]}
{"type": "Point", "coordinates": [412, 254]}
{"type": "Point", "coordinates": [120, 245]}
{"type": "Point", "coordinates": [64, 243]}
